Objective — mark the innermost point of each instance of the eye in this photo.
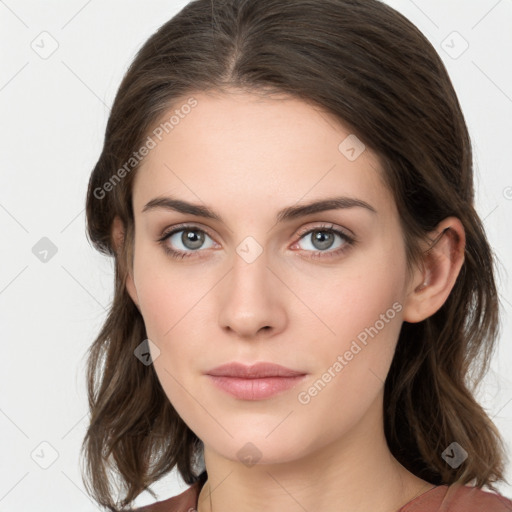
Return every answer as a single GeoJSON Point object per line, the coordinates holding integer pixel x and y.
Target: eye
{"type": "Point", "coordinates": [183, 241]}
{"type": "Point", "coordinates": [322, 238]}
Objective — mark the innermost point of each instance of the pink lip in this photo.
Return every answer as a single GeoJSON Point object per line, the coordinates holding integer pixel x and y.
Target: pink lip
{"type": "Point", "coordinates": [255, 382]}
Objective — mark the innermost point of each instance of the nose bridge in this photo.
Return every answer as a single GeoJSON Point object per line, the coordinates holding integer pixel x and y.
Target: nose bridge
{"type": "Point", "coordinates": [250, 275]}
{"type": "Point", "coordinates": [249, 297]}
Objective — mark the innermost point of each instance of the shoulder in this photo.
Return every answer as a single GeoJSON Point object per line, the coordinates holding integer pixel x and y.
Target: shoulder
{"type": "Point", "coordinates": [184, 502]}
{"type": "Point", "coordinates": [458, 498]}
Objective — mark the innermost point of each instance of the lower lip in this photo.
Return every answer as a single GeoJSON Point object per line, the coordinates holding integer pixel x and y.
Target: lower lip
{"type": "Point", "coordinates": [255, 389]}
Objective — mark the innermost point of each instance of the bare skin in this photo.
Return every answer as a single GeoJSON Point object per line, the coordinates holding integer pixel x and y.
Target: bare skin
{"type": "Point", "coordinates": [247, 157]}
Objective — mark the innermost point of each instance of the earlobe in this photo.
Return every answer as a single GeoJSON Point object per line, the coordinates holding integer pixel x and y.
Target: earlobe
{"type": "Point", "coordinates": [118, 238]}
{"type": "Point", "coordinates": [432, 284]}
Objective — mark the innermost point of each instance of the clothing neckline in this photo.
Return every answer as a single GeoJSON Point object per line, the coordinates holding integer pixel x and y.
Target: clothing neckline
{"type": "Point", "coordinates": [420, 496]}
{"type": "Point", "coordinates": [200, 484]}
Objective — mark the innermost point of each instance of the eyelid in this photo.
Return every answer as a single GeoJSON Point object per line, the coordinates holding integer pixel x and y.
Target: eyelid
{"type": "Point", "coordinates": [327, 226]}
{"type": "Point", "coordinates": [303, 231]}
{"type": "Point", "coordinates": [181, 227]}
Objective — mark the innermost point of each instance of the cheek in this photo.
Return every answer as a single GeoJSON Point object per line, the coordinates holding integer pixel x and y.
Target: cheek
{"type": "Point", "coordinates": [168, 311]}
{"type": "Point", "coordinates": [174, 314]}
{"type": "Point", "coordinates": [166, 294]}
{"type": "Point", "coordinates": [158, 306]}
{"type": "Point", "coordinates": [351, 367]}
{"type": "Point", "coordinates": [344, 301]}
{"type": "Point", "coordinates": [171, 320]}
{"type": "Point", "coordinates": [361, 306]}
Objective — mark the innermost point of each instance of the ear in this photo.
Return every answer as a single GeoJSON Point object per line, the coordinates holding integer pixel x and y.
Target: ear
{"type": "Point", "coordinates": [118, 238]}
{"type": "Point", "coordinates": [432, 284]}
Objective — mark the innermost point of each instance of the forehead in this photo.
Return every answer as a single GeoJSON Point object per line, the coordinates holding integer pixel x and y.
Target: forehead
{"type": "Point", "coordinates": [255, 151]}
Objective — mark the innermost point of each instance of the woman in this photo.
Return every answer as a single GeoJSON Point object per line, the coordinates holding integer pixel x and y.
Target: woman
{"type": "Point", "coordinates": [302, 282]}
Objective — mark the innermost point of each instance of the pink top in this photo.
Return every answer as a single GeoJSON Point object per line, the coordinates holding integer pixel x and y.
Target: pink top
{"type": "Point", "coordinates": [443, 498]}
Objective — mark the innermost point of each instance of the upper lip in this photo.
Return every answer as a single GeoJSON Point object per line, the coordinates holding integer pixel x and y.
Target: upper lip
{"type": "Point", "coordinates": [255, 371]}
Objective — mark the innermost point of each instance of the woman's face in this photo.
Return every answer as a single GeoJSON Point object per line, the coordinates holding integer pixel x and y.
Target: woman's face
{"type": "Point", "coordinates": [262, 280]}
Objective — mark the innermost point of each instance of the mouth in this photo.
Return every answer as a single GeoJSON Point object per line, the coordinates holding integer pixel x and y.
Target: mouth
{"type": "Point", "coordinates": [255, 371]}
{"type": "Point", "coordinates": [256, 382]}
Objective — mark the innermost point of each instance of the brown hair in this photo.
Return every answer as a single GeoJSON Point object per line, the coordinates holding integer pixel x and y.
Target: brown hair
{"type": "Point", "coordinates": [366, 64]}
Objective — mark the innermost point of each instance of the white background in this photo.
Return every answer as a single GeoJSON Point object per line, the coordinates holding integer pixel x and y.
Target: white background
{"type": "Point", "coordinates": [54, 113]}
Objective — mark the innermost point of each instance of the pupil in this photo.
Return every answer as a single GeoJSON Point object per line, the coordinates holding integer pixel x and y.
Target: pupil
{"type": "Point", "coordinates": [192, 239]}
{"type": "Point", "coordinates": [322, 239]}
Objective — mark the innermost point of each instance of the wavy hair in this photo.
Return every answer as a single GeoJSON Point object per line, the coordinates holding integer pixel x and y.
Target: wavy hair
{"type": "Point", "coordinates": [371, 68]}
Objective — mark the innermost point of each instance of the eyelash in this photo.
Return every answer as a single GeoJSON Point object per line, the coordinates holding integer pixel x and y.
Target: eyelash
{"type": "Point", "coordinates": [349, 241]}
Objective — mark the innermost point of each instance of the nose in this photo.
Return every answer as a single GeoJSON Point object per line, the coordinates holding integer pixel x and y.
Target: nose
{"type": "Point", "coordinates": [252, 301]}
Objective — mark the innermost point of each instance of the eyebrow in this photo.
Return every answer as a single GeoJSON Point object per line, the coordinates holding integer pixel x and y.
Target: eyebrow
{"type": "Point", "coordinates": [289, 213]}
